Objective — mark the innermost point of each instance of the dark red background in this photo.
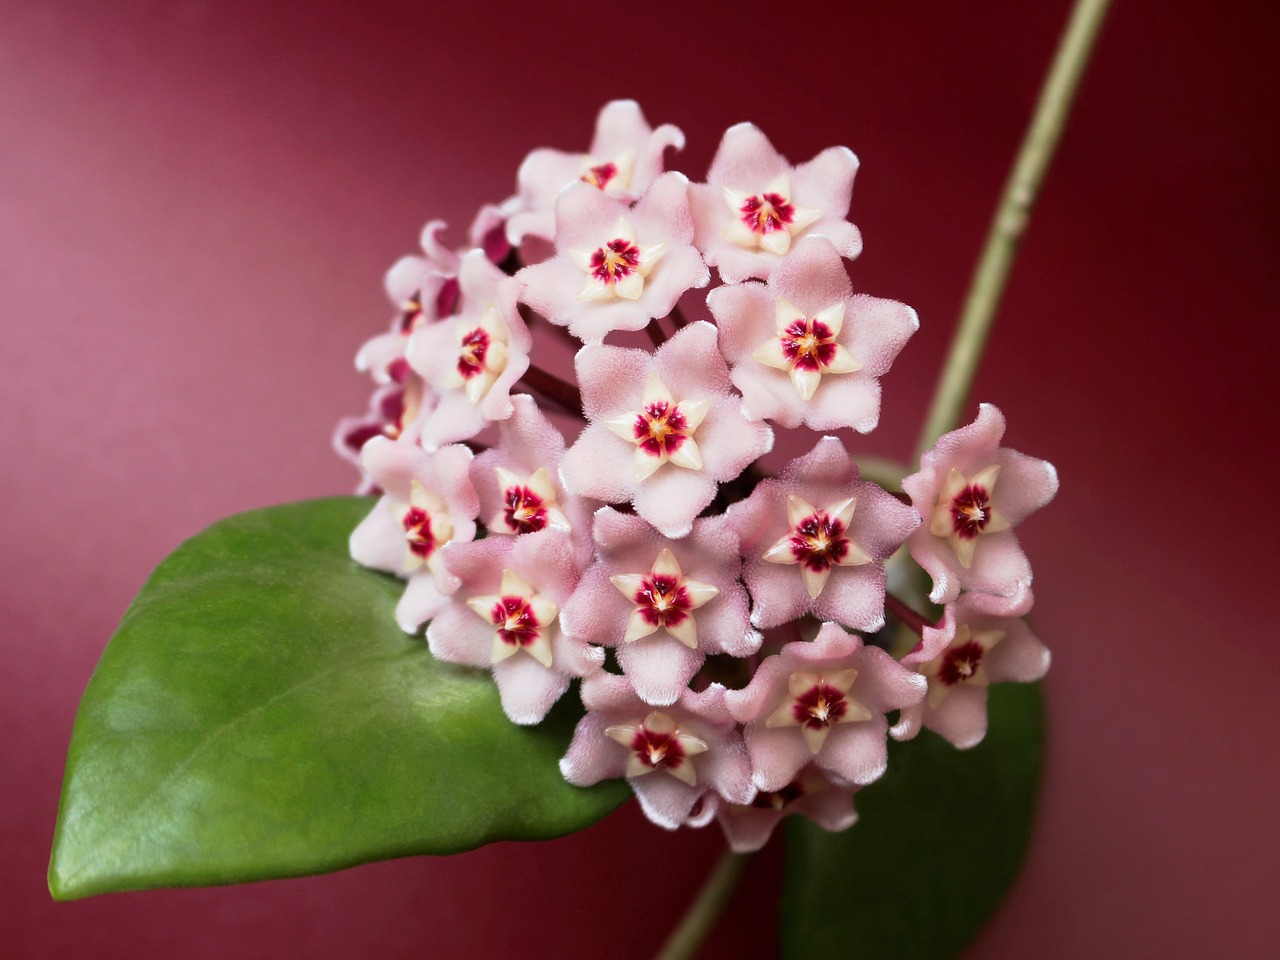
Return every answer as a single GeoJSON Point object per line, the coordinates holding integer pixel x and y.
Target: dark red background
{"type": "Point", "coordinates": [198, 200]}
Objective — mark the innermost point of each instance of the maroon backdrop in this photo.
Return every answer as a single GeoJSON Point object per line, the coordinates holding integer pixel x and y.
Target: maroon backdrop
{"type": "Point", "coordinates": [198, 200]}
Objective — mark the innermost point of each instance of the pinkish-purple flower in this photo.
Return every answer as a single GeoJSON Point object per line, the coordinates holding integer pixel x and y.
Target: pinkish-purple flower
{"type": "Point", "coordinates": [971, 492]}
{"type": "Point", "coordinates": [824, 702]}
{"type": "Point", "coordinates": [672, 756]}
{"type": "Point", "coordinates": [663, 604]}
{"type": "Point", "coordinates": [812, 794]}
{"type": "Point", "coordinates": [815, 541]}
{"type": "Point", "coordinates": [981, 640]}
{"type": "Point", "coordinates": [804, 349]}
{"type": "Point", "coordinates": [617, 267]}
{"type": "Point", "coordinates": [664, 429]}
{"type": "Point", "coordinates": [755, 205]}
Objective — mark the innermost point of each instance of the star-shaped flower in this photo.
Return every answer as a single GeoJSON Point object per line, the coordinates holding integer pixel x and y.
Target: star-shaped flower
{"type": "Point", "coordinates": [822, 701]}
{"type": "Point", "coordinates": [473, 359]}
{"type": "Point", "coordinates": [503, 613]}
{"type": "Point", "coordinates": [618, 267]}
{"type": "Point", "coordinates": [662, 604]}
{"type": "Point", "coordinates": [812, 794]}
{"type": "Point", "coordinates": [625, 156]}
{"type": "Point", "coordinates": [815, 540]}
{"type": "Point", "coordinates": [755, 205]}
{"type": "Point", "coordinates": [982, 640]}
{"type": "Point", "coordinates": [972, 492]}
{"type": "Point", "coordinates": [429, 502]}
{"type": "Point", "coordinates": [664, 430]}
{"type": "Point", "coordinates": [804, 349]}
{"type": "Point", "coordinates": [672, 757]}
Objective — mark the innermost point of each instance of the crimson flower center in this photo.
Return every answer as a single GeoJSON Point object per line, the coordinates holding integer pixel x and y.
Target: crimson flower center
{"type": "Point", "coordinates": [523, 509]}
{"type": "Point", "coordinates": [615, 260]}
{"type": "Point", "coordinates": [600, 175]}
{"type": "Point", "coordinates": [960, 663]}
{"type": "Point", "coordinates": [656, 749]}
{"type": "Point", "coordinates": [417, 532]}
{"type": "Point", "coordinates": [767, 212]}
{"type": "Point", "coordinates": [818, 541]}
{"type": "Point", "coordinates": [475, 345]}
{"type": "Point", "coordinates": [970, 511]}
{"type": "Point", "coordinates": [516, 622]}
{"type": "Point", "coordinates": [808, 344]}
{"type": "Point", "coordinates": [820, 706]}
{"type": "Point", "coordinates": [661, 428]}
{"type": "Point", "coordinates": [662, 600]}
{"type": "Point", "coordinates": [411, 313]}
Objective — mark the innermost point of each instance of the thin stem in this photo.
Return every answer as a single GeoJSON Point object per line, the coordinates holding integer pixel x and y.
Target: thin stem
{"type": "Point", "coordinates": [1011, 216]}
{"type": "Point", "coordinates": [561, 392]}
{"type": "Point", "coordinates": [906, 615]}
{"type": "Point", "coordinates": [655, 333]}
{"type": "Point", "coordinates": [706, 909]}
{"type": "Point", "coordinates": [677, 318]}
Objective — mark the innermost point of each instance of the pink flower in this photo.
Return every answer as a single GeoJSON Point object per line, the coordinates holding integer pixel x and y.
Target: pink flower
{"type": "Point", "coordinates": [822, 701]}
{"type": "Point", "coordinates": [803, 348]}
{"type": "Point", "coordinates": [472, 360]}
{"type": "Point", "coordinates": [812, 794]}
{"type": "Point", "coordinates": [393, 412]}
{"type": "Point", "coordinates": [981, 640]}
{"type": "Point", "coordinates": [754, 204]}
{"type": "Point", "coordinates": [503, 614]}
{"type": "Point", "coordinates": [815, 541]}
{"type": "Point", "coordinates": [971, 492]}
{"type": "Point", "coordinates": [428, 503]}
{"type": "Point", "coordinates": [671, 756]}
{"type": "Point", "coordinates": [617, 267]}
{"type": "Point", "coordinates": [624, 158]}
{"type": "Point", "coordinates": [664, 430]}
{"type": "Point", "coordinates": [662, 604]}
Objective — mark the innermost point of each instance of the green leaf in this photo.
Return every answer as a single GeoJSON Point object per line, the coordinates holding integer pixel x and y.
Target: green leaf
{"type": "Point", "coordinates": [937, 843]}
{"type": "Point", "coordinates": [258, 714]}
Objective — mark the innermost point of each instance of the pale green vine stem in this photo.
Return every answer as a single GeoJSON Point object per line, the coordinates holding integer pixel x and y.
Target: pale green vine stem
{"type": "Point", "coordinates": [706, 909]}
{"type": "Point", "coordinates": [1011, 216]}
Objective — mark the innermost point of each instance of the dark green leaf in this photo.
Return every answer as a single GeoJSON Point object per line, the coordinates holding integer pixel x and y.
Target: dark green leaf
{"type": "Point", "coordinates": [259, 714]}
{"type": "Point", "coordinates": [937, 843]}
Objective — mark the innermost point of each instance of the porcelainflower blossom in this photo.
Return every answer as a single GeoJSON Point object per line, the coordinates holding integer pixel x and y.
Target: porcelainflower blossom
{"type": "Point", "coordinates": [617, 267]}
{"type": "Point", "coordinates": [971, 492]}
{"type": "Point", "coordinates": [625, 156]}
{"type": "Point", "coordinates": [755, 205]}
{"type": "Point", "coordinates": [429, 502]}
{"type": "Point", "coordinates": [671, 756]}
{"type": "Point", "coordinates": [503, 613]}
{"type": "Point", "coordinates": [822, 701]}
{"type": "Point", "coordinates": [662, 604]}
{"type": "Point", "coordinates": [815, 540]}
{"type": "Point", "coordinates": [664, 429]}
{"type": "Point", "coordinates": [804, 349]}
{"type": "Point", "coordinates": [393, 413]}
{"type": "Point", "coordinates": [982, 640]}
{"type": "Point", "coordinates": [472, 360]}
{"type": "Point", "coordinates": [812, 794]}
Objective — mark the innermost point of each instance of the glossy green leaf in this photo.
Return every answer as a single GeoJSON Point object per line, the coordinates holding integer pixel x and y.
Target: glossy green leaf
{"type": "Point", "coordinates": [938, 842]}
{"type": "Point", "coordinates": [258, 714]}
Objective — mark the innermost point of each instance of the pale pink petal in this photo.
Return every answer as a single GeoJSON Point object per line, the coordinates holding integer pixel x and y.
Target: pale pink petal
{"type": "Point", "coordinates": [856, 752]}
{"type": "Point", "coordinates": [659, 667]}
{"type": "Point", "coordinates": [528, 689]}
{"type": "Point", "coordinates": [378, 541]}
{"type": "Point", "coordinates": [961, 717]}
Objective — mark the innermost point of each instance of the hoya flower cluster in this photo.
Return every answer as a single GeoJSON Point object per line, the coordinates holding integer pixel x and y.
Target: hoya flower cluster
{"type": "Point", "coordinates": [727, 626]}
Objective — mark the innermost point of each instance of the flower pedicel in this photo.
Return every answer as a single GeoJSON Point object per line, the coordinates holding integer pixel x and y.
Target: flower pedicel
{"type": "Point", "coordinates": [749, 677]}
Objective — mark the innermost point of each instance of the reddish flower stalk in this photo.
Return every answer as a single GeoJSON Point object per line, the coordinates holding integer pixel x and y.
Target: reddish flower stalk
{"type": "Point", "coordinates": [561, 392]}
{"type": "Point", "coordinates": [906, 615]}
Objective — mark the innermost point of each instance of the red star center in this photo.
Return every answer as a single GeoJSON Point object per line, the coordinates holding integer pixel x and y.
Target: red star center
{"type": "Point", "coordinates": [600, 175]}
{"type": "Point", "coordinates": [657, 743]}
{"type": "Point", "coordinates": [816, 702]}
{"type": "Point", "coordinates": [615, 261]}
{"type": "Point", "coordinates": [471, 353]}
{"type": "Point", "coordinates": [523, 510]}
{"type": "Point", "coordinates": [417, 532]}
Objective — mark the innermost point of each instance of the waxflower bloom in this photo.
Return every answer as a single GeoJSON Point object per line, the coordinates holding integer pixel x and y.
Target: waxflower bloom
{"type": "Point", "coordinates": [822, 701]}
{"type": "Point", "coordinates": [662, 604]}
{"type": "Point", "coordinates": [672, 756]}
{"type": "Point", "coordinates": [664, 430]}
{"type": "Point", "coordinates": [971, 492]}
{"type": "Point", "coordinates": [617, 267]}
{"type": "Point", "coordinates": [625, 156]}
{"type": "Point", "coordinates": [815, 540]}
{"type": "Point", "coordinates": [981, 640]}
{"type": "Point", "coordinates": [429, 502]}
{"type": "Point", "coordinates": [755, 205]}
{"type": "Point", "coordinates": [503, 613]}
{"type": "Point", "coordinates": [472, 360]}
{"type": "Point", "coordinates": [812, 793]}
{"type": "Point", "coordinates": [804, 349]}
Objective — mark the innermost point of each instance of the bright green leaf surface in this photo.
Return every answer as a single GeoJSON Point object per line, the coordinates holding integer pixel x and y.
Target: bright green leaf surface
{"type": "Point", "coordinates": [259, 714]}
{"type": "Point", "coordinates": [937, 844]}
